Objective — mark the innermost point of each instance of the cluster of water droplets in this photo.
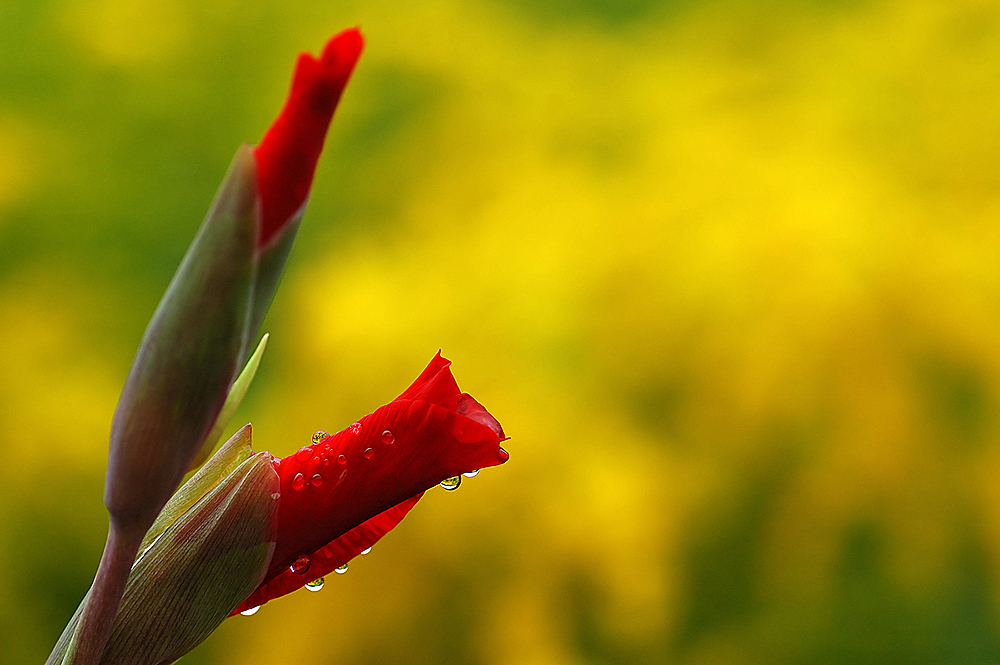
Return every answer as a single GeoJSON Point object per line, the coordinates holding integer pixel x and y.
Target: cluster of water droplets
{"type": "Point", "coordinates": [304, 454]}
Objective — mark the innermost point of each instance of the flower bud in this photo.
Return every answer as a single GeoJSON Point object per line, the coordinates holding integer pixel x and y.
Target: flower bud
{"type": "Point", "coordinates": [198, 569]}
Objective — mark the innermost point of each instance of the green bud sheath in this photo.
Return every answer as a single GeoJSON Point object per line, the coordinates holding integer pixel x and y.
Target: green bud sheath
{"type": "Point", "coordinates": [188, 358]}
{"type": "Point", "coordinates": [233, 453]}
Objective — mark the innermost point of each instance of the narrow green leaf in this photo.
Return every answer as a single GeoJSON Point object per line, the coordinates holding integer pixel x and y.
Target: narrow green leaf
{"type": "Point", "coordinates": [236, 395]}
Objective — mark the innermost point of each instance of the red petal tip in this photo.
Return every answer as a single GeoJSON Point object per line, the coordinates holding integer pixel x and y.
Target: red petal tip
{"type": "Point", "coordinates": [287, 155]}
{"type": "Point", "coordinates": [344, 47]}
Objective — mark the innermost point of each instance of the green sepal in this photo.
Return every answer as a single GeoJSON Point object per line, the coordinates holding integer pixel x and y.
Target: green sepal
{"type": "Point", "coordinates": [197, 572]}
{"type": "Point", "coordinates": [232, 453]}
{"type": "Point", "coordinates": [236, 395]}
{"type": "Point", "coordinates": [189, 356]}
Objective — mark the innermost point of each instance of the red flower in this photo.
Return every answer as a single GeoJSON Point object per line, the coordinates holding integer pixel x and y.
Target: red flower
{"type": "Point", "coordinates": [344, 492]}
{"type": "Point", "coordinates": [287, 155]}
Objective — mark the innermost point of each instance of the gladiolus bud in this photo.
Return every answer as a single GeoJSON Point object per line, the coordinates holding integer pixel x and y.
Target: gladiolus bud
{"type": "Point", "coordinates": [201, 566]}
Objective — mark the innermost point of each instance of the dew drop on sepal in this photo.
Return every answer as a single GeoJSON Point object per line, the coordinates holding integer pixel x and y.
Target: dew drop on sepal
{"type": "Point", "coordinates": [342, 458]}
{"type": "Point", "coordinates": [369, 453]}
{"type": "Point", "coordinates": [471, 474]}
{"type": "Point", "coordinates": [298, 482]}
{"type": "Point", "coordinates": [451, 483]}
{"type": "Point", "coordinates": [315, 585]}
{"type": "Point", "coordinates": [366, 550]}
{"type": "Point", "coordinates": [340, 570]}
{"type": "Point", "coordinates": [319, 435]}
{"type": "Point", "coordinates": [388, 437]}
{"type": "Point", "coordinates": [300, 565]}
{"type": "Point", "coordinates": [250, 612]}
{"type": "Point", "coordinates": [317, 480]}
{"type": "Point", "coordinates": [304, 453]}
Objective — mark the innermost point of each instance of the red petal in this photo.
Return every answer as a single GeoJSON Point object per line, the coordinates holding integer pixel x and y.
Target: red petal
{"type": "Point", "coordinates": [333, 555]}
{"type": "Point", "coordinates": [435, 384]}
{"type": "Point", "coordinates": [429, 442]}
{"type": "Point", "coordinates": [287, 155]}
{"type": "Point", "coordinates": [469, 407]}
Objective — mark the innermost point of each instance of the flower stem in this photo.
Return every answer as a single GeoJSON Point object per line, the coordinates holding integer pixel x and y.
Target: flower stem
{"type": "Point", "coordinates": [94, 627]}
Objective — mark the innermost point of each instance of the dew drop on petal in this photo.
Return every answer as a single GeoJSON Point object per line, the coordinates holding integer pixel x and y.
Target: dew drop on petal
{"type": "Point", "coordinates": [369, 452]}
{"type": "Point", "coordinates": [366, 550]}
{"type": "Point", "coordinates": [451, 483]}
{"type": "Point", "coordinates": [317, 480]}
{"type": "Point", "coordinates": [340, 570]}
{"type": "Point", "coordinates": [355, 428]}
{"type": "Point", "coordinates": [342, 459]}
{"type": "Point", "coordinates": [304, 453]}
{"type": "Point", "coordinates": [298, 482]}
{"type": "Point", "coordinates": [250, 612]}
{"type": "Point", "coordinates": [326, 461]}
{"type": "Point", "coordinates": [388, 438]}
{"type": "Point", "coordinates": [300, 565]}
{"type": "Point", "coordinates": [315, 585]}
{"type": "Point", "coordinates": [319, 435]}
{"type": "Point", "coordinates": [471, 474]}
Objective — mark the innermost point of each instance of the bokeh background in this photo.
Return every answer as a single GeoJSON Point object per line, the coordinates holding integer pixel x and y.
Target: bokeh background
{"type": "Point", "coordinates": [727, 272]}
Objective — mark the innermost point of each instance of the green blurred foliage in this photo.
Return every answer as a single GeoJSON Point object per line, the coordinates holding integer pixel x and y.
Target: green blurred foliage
{"type": "Point", "coordinates": [727, 272]}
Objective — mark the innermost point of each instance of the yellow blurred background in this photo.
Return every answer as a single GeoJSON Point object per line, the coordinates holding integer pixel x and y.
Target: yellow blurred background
{"type": "Point", "coordinates": [727, 272]}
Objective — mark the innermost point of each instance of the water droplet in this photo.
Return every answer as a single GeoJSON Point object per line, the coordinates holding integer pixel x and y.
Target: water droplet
{"type": "Point", "coordinates": [326, 461]}
{"type": "Point", "coordinates": [315, 585]}
{"type": "Point", "coordinates": [451, 483]}
{"type": "Point", "coordinates": [471, 474]}
{"type": "Point", "coordinates": [319, 435]}
{"type": "Point", "coordinates": [342, 459]}
{"type": "Point", "coordinates": [276, 495]}
{"type": "Point", "coordinates": [340, 570]}
{"type": "Point", "coordinates": [298, 482]}
{"type": "Point", "coordinates": [355, 429]}
{"type": "Point", "coordinates": [388, 437]}
{"type": "Point", "coordinates": [317, 480]}
{"type": "Point", "coordinates": [300, 565]}
{"type": "Point", "coordinates": [250, 612]}
{"type": "Point", "coordinates": [305, 452]}
{"type": "Point", "coordinates": [366, 550]}
{"type": "Point", "coordinates": [369, 452]}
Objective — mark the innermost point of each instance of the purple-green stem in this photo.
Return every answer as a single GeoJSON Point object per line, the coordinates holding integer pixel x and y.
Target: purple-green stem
{"type": "Point", "coordinates": [94, 627]}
